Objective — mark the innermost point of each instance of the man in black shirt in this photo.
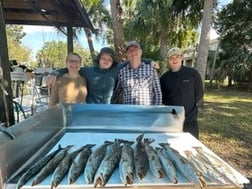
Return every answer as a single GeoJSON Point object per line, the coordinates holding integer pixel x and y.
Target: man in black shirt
{"type": "Point", "coordinates": [182, 86]}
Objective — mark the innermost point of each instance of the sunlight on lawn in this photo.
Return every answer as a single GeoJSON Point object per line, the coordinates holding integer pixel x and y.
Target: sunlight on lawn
{"type": "Point", "coordinates": [225, 124]}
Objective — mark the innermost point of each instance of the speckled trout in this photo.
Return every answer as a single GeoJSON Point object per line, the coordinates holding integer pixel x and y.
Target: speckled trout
{"type": "Point", "coordinates": [63, 167]}
{"type": "Point", "coordinates": [126, 164]}
{"type": "Point", "coordinates": [50, 166]}
{"type": "Point", "coordinates": [94, 161]}
{"type": "Point", "coordinates": [154, 163]}
{"type": "Point", "coordinates": [183, 165]}
{"type": "Point", "coordinates": [36, 167]}
{"type": "Point", "coordinates": [79, 163]}
{"type": "Point", "coordinates": [218, 165]}
{"type": "Point", "coordinates": [168, 166]}
{"type": "Point", "coordinates": [140, 158]}
{"type": "Point", "coordinates": [108, 164]}
{"type": "Point", "coordinates": [205, 169]}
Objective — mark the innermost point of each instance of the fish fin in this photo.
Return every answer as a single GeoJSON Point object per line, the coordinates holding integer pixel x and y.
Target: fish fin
{"type": "Point", "coordinates": [148, 140]}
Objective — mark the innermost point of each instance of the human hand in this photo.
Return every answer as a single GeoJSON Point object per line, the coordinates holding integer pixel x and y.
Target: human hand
{"type": "Point", "coordinates": [50, 81]}
{"type": "Point", "coordinates": [155, 65]}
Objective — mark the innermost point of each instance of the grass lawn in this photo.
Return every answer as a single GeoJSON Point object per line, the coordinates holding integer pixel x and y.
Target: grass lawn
{"type": "Point", "coordinates": [226, 126]}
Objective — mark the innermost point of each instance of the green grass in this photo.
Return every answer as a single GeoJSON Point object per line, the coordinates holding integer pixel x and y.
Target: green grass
{"type": "Point", "coordinates": [226, 126]}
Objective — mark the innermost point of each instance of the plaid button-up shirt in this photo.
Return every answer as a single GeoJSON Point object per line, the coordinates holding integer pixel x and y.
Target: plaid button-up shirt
{"type": "Point", "coordinates": [139, 86]}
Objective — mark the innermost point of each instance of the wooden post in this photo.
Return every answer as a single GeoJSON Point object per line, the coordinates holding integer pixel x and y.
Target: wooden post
{"type": "Point", "coordinates": [69, 39]}
{"type": "Point", "coordinates": [6, 106]}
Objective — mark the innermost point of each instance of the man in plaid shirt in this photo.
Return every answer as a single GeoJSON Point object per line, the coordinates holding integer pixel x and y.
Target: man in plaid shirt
{"type": "Point", "coordinates": [138, 83]}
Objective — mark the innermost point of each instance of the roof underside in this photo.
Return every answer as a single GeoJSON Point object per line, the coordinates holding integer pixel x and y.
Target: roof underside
{"type": "Point", "coordinates": [59, 13]}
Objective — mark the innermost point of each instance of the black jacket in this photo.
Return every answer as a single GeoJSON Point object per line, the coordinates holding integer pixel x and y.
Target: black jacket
{"type": "Point", "coordinates": [183, 88]}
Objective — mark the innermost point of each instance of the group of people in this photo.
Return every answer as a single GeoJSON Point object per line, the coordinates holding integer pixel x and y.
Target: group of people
{"type": "Point", "coordinates": [135, 81]}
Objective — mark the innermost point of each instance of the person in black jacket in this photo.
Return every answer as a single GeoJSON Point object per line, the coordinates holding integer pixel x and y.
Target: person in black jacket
{"type": "Point", "coordinates": [182, 86]}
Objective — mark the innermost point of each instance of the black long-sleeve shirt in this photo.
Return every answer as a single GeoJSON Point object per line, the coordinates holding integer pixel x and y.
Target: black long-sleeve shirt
{"type": "Point", "coordinates": [183, 88]}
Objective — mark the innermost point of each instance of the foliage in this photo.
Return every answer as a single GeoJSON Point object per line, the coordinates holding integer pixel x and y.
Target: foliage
{"type": "Point", "coordinates": [15, 32]}
{"type": "Point", "coordinates": [99, 15]}
{"type": "Point", "coordinates": [234, 22]}
{"type": "Point", "coordinates": [15, 48]}
{"type": "Point", "coordinates": [53, 54]}
{"type": "Point", "coordinates": [158, 25]}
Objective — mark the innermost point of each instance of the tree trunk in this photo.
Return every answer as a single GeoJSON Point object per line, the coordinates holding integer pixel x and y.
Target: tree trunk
{"type": "Point", "coordinates": [69, 39]}
{"type": "Point", "coordinates": [204, 39]}
{"type": "Point", "coordinates": [6, 106]}
{"type": "Point", "coordinates": [211, 75]}
{"type": "Point", "coordinates": [116, 13]}
{"type": "Point", "coordinates": [90, 43]}
{"type": "Point", "coordinates": [163, 44]}
{"type": "Point", "coordinates": [250, 79]}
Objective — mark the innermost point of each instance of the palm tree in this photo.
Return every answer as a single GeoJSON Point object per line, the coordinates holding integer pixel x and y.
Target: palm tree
{"type": "Point", "coordinates": [100, 17]}
{"type": "Point", "coordinates": [116, 15]}
{"type": "Point", "coordinates": [150, 24]}
{"type": "Point", "coordinates": [204, 38]}
{"type": "Point", "coordinates": [163, 24]}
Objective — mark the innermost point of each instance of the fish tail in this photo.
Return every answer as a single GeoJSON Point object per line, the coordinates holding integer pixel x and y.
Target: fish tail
{"type": "Point", "coordinates": [35, 182]}
{"type": "Point", "coordinates": [140, 175]}
{"type": "Point", "coordinates": [99, 182]}
{"type": "Point", "coordinates": [161, 173]}
{"type": "Point", "coordinates": [71, 180]}
{"type": "Point", "coordinates": [202, 181]}
{"type": "Point", "coordinates": [129, 180]}
{"type": "Point", "coordinates": [139, 138]}
{"type": "Point", "coordinates": [53, 185]}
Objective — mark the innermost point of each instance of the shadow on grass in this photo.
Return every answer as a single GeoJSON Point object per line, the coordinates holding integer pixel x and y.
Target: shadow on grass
{"type": "Point", "coordinates": [227, 119]}
{"type": "Point", "coordinates": [225, 124]}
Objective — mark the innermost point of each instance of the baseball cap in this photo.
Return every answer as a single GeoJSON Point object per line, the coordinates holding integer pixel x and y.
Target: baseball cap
{"type": "Point", "coordinates": [174, 50]}
{"type": "Point", "coordinates": [132, 43]}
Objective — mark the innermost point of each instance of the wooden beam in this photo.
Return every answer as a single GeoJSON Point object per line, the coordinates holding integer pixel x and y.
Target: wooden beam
{"type": "Point", "coordinates": [7, 109]}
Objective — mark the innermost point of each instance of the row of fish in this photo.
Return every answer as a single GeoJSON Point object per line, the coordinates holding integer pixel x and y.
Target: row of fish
{"type": "Point", "coordinates": [98, 165]}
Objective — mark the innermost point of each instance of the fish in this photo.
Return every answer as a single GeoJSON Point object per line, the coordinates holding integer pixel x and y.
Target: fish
{"type": "Point", "coordinates": [155, 165]}
{"type": "Point", "coordinates": [108, 164]}
{"type": "Point", "coordinates": [79, 163]}
{"type": "Point", "coordinates": [168, 166]}
{"type": "Point", "coordinates": [205, 169]}
{"type": "Point", "coordinates": [183, 165]}
{"type": "Point", "coordinates": [94, 161]}
{"type": "Point", "coordinates": [140, 158]}
{"type": "Point", "coordinates": [50, 166]}
{"type": "Point", "coordinates": [63, 167]}
{"type": "Point", "coordinates": [126, 165]}
{"type": "Point", "coordinates": [36, 167]}
{"type": "Point", "coordinates": [219, 166]}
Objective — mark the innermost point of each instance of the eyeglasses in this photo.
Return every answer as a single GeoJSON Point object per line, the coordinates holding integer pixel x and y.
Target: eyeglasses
{"type": "Point", "coordinates": [174, 57]}
{"type": "Point", "coordinates": [132, 49]}
{"type": "Point", "coordinates": [71, 61]}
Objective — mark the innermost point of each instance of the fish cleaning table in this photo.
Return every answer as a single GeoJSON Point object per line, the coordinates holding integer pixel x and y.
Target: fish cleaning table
{"type": "Point", "coordinates": [81, 124]}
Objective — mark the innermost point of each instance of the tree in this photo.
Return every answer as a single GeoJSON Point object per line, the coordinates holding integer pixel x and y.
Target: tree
{"type": "Point", "coordinates": [53, 54]}
{"type": "Point", "coordinates": [100, 18]}
{"type": "Point", "coordinates": [15, 32]}
{"type": "Point", "coordinates": [150, 24]}
{"type": "Point", "coordinates": [234, 22]}
{"type": "Point", "coordinates": [204, 38]}
{"type": "Point", "coordinates": [118, 35]}
{"type": "Point", "coordinates": [158, 25]}
{"type": "Point", "coordinates": [16, 50]}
